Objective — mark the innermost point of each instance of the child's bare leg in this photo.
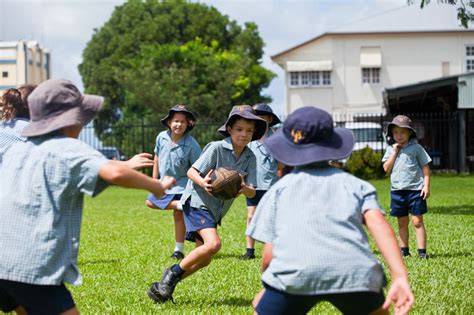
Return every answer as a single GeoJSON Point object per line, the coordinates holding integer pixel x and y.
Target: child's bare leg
{"type": "Point", "coordinates": [179, 227]}
{"type": "Point", "coordinates": [72, 311]}
{"type": "Point", "coordinates": [250, 242]}
{"type": "Point", "coordinates": [201, 256]}
{"type": "Point", "coordinates": [150, 204]}
{"type": "Point", "coordinates": [419, 230]}
{"type": "Point", "coordinates": [20, 310]}
{"type": "Point", "coordinates": [257, 298]}
{"type": "Point", "coordinates": [403, 230]}
{"type": "Point", "coordinates": [379, 311]}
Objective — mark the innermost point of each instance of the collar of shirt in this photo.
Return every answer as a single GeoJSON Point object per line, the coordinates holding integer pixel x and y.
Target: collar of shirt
{"type": "Point", "coordinates": [227, 144]}
{"type": "Point", "coordinates": [181, 141]}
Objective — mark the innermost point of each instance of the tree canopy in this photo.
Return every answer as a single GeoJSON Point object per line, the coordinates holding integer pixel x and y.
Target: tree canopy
{"type": "Point", "coordinates": [151, 55]}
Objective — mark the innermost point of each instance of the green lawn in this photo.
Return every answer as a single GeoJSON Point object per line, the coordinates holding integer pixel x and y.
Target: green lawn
{"type": "Point", "coordinates": [125, 247]}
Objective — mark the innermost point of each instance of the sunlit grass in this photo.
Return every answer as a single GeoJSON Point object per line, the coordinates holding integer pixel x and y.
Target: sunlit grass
{"type": "Point", "coordinates": [126, 246]}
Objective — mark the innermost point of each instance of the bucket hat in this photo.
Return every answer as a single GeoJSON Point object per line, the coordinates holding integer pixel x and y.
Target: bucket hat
{"type": "Point", "coordinates": [264, 109]}
{"type": "Point", "coordinates": [247, 112]}
{"type": "Point", "coordinates": [308, 136]}
{"type": "Point", "coordinates": [401, 121]}
{"type": "Point", "coordinates": [180, 109]}
{"type": "Point", "coordinates": [56, 104]}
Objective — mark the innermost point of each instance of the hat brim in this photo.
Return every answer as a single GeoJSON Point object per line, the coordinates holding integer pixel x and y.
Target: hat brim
{"type": "Point", "coordinates": [164, 120]}
{"type": "Point", "coordinates": [337, 147]}
{"type": "Point", "coordinates": [275, 119]}
{"type": "Point", "coordinates": [391, 125]}
{"type": "Point", "coordinates": [78, 115]}
{"type": "Point", "coordinates": [260, 125]}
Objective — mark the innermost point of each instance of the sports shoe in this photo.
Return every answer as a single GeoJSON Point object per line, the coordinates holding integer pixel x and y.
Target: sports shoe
{"type": "Point", "coordinates": [162, 291]}
{"type": "Point", "coordinates": [247, 256]}
{"type": "Point", "coordinates": [177, 255]}
{"type": "Point", "coordinates": [423, 255]}
{"type": "Point", "coordinates": [405, 253]}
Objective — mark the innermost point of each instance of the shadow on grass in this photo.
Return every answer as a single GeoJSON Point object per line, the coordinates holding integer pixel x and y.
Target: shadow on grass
{"type": "Point", "coordinates": [231, 301]}
{"type": "Point", "coordinates": [99, 261]}
{"type": "Point", "coordinates": [227, 255]}
{"type": "Point", "coordinates": [436, 255]}
{"type": "Point", "coordinates": [453, 210]}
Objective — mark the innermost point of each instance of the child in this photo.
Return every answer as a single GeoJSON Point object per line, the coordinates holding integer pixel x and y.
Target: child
{"type": "Point", "coordinates": [41, 199]}
{"type": "Point", "coordinates": [408, 164]}
{"type": "Point", "coordinates": [202, 211]}
{"type": "Point", "coordinates": [267, 171]}
{"type": "Point", "coordinates": [311, 223]}
{"type": "Point", "coordinates": [175, 151]}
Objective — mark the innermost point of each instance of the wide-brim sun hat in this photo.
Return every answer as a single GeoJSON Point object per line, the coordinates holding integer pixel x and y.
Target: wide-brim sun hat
{"type": "Point", "coordinates": [264, 109]}
{"type": "Point", "coordinates": [180, 109]}
{"type": "Point", "coordinates": [246, 112]}
{"type": "Point", "coordinates": [308, 136]}
{"type": "Point", "coordinates": [401, 121]}
{"type": "Point", "coordinates": [56, 104]}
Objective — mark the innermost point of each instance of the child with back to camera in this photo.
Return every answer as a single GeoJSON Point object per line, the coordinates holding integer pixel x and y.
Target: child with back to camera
{"type": "Point", "coordinates": [202, 211]}
{"type": "Point", "coordinates": [175, 151]}
{"type": "Point", "coordinates": [43, 183]}
{"type": "Point", "coordinates": [408, 165]}
{"type": "Point", "coordinates": [268, 171]}
{"type": "Point", "coordinates": [312, 225]}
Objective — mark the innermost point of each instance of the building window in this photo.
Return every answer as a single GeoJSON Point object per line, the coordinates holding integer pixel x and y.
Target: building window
{"type": "Point", "coordinates": [470, 58]}
{"type": "Point", "coordinates": [4, 74]}
{"type": "Point", "coordinates": [371, 75]}
{"type": "Point", "coordinates": [310, 78]}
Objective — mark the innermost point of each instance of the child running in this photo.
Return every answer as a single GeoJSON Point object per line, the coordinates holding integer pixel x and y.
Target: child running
{"type": "Point", "coordinates": [408, 165]}
{"type": "Point", "coordinates": [268, 171]}
{"type": "Point", "coordinates": [311, 223]}
{"type": "Point", "coordinates": [202, 211]}
{"type": "Point", "coordinates": [43, 183]}
{"type": "Point", "coordinates": [175, 151]}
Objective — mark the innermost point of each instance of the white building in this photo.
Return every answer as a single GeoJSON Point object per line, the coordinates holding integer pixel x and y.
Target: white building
{"type": "Point", "coordinates": [23, 62]}
{"type": "Point", "coordinates": [346, 73]}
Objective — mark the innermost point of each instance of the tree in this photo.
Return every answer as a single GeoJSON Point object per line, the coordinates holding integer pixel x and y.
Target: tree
{"type": "Point", "coordinates": [465, 15]}
{"type": "Point", "coordinates": [153, 54]}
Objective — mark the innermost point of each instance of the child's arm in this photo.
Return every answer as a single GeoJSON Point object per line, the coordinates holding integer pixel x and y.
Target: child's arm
{"type": "Point", "coordinates": [399, 293]}
{"type": "Point", "coordinates": [119, 174]}
{"type": "Point", "coordinates": [425, 191]}
{"type": "Point", "coordinates": [139, 161]}
{"type": "Point", "coordinates": [156, 170]}
{"type": "Point", "coordinates": [388, 165]}
{"type": "Point", "coordinates": [247, 190]}
{"type": "Point", "coordinates": [266, 259]}
{"type": "Point", "coordinates": [204, 182]}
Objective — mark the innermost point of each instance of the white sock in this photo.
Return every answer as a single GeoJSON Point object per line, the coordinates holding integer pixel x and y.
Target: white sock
{"type": "Point", "coordinates": [179, 247]}
{"type": "Point", "coordinates": [179, 206]}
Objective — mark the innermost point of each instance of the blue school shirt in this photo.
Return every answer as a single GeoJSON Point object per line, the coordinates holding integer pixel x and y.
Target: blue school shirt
{"type": "Point", "coordinates": [267, 166]}
{"type": "Point", "coordinates": [41, 199]}
{"type": "Point", "coordinates": [176, 159]}
{"type": "Point", "coordinates": [313, 218]}
{"type": "Point", "coordinates": [214, 155]}
{"type": "Point", "coordinates": [10, 132]}
{"type": "Point", "coordinates": [407, 173]}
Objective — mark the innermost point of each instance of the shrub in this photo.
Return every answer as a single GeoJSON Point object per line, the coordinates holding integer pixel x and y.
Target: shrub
{"type": "Point", "coordinates": [365, 164]}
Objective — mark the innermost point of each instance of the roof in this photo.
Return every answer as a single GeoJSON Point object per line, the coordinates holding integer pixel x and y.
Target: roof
{"type": "Point", "coordinates": [367, 33]}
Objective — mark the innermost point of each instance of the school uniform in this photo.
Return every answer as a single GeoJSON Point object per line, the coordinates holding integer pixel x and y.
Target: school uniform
{"type": "Point", "coordinates": [10, 133]}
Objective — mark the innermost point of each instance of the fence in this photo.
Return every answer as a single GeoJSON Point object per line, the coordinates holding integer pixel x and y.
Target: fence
{"type": "Point", "coordinates": [437, 133]}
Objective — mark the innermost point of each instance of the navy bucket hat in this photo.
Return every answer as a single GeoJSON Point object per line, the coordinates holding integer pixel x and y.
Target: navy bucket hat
{"type": "Point", "coordinates": [401, 121]}
{"type": "Point", "coordinates": [247, 112]}
{"type": "Point", "coordinates": [180, 109]}
{"type": "Point", "coordinates": [308, 136]}
{"type": "Point", "coordinates": [264, 109]}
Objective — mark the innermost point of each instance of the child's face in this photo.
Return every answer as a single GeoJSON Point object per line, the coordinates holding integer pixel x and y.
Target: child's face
{"type": "Point", "coordinates": [241, 132]}
{"type": "Point", "coordinates": [178, 124]}
{"type": "Point", "coordinates": [401, 135]}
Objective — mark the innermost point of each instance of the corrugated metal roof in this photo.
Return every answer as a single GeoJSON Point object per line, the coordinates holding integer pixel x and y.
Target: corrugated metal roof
{"type": "Point", "coordinates": [466, 91]}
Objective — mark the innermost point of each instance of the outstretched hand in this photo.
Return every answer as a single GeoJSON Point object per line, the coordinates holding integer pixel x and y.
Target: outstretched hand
{"type": "Point", "coordinates": [140, 160]}
{"type": "Point", "coordinates": [400, 295]}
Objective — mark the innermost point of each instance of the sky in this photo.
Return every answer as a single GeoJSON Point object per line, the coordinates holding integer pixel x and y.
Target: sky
{"type": "Point", "coordinates": [65, 26]}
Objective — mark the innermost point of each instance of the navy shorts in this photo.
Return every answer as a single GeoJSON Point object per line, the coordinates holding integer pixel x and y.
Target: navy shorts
{"type": "Point", "coordinates": [403, 202]}
{"type": "Point", "coordinates": [277, 302]}
{"type": "Point", "coordinates": [35, 299]}
{"type": "Point", "coordinates": [196, 219]}
{"type": "Point", "coordinates": [255, 200]}
{"type": "Point", "coordinates": [164, 201]}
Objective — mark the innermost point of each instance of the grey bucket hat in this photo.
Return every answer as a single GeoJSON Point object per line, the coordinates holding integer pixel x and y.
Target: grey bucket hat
{"type": "Point", "coordinates": [246, 112]}
{"type": "Point", "coordinates": [56, 104]}
{"type": "Point", "coordinates": [180, 109]}
{"type": "Point", "coordinates": [401, 121]}
{"type": "Point", "coordinates": [264, 109]}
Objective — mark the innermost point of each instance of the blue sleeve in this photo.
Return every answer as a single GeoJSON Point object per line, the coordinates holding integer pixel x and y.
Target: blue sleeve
{"type": "Point", "coordinates": [157, 144]}
{"type": "Point", "coordinates": [387, 154]}
{"type": "Point", "coordinates": [262, 226]}
{"type": "Point", "coordinates": [251, 178]}
{"type": "Point", "coordinates": [423, 157]}
{"type": "Point", "coordinates": [369, 197]}
{"type": "Point", "coordinates": [208, 158]}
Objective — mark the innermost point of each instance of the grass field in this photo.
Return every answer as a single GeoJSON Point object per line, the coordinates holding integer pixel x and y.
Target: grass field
{"type": "Point", "coordinates": [125, 247]}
